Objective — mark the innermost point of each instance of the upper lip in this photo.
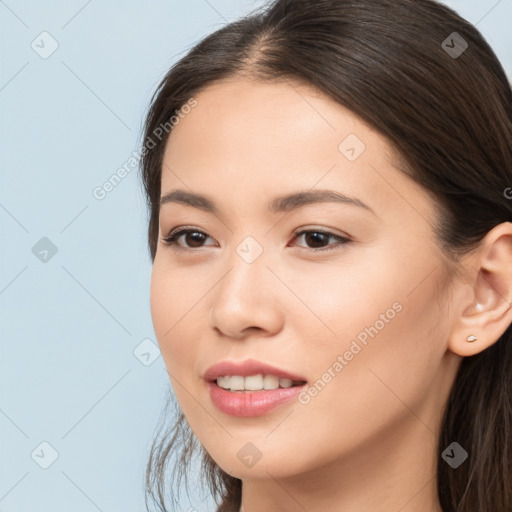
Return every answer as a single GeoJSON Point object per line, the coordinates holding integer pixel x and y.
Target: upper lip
{"type": "Point", "coordinates": [246, 368]}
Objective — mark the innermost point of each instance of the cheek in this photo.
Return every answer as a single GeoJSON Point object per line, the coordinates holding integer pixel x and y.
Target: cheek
{"type": "Point", "coordinates": [384, 360]}
{"type": "Point", "coordinates": [161, 298]}
{"type": "Point", "coordinates": [172, 308]}
{"type": "Point", "coordinates": [334, 305]}
{"type": "Point", "coordinates": [378, 338]}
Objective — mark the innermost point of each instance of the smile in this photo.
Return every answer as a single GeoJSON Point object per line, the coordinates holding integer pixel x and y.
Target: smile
{"type": "Point", "coordinates": [255, 382]}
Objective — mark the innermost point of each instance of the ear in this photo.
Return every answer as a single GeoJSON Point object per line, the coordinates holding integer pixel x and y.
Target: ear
{"type": "Point", "coordinates": [486, 311]}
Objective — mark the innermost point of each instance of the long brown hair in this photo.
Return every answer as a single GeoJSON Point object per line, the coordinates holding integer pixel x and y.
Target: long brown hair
{"type": "Point", "coordinates": [444, 103]}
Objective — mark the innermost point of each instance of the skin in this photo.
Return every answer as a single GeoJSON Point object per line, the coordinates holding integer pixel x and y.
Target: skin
{"type": "Point", "coordinates": [368, 440]}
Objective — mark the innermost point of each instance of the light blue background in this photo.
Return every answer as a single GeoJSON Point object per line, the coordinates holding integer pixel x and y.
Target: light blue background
{"type": "Point", "coordinates": [69, 326]}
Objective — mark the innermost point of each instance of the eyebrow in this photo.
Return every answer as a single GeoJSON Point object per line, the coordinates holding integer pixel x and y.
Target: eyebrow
{"type": "Point", "coordinates": [280, 204]}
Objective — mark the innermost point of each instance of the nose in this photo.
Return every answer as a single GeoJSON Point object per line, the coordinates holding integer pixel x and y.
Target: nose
{"type": "Point", "coordinates": [246, 300]}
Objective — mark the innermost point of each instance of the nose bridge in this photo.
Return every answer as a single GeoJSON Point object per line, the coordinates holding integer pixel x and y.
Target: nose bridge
{"type": "Point", "coordinates": [250, 250]}
{"type": "Point", "coordinates": [248, 266]}
{"type": "Point", "coordinates": [242, 299]}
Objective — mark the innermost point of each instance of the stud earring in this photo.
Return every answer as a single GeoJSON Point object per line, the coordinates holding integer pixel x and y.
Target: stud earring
{"type": "Point", "coordinates": [471, 338]}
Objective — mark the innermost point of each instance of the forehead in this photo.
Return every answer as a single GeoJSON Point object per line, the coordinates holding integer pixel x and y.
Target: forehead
{"type": "Point", "coordinates": [261, 138]}
{"type": "Point", "coordinates": [234, 111]}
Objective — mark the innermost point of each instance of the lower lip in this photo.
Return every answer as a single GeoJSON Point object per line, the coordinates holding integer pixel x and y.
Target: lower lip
{"type": "Point", "coordinates": [251, 403]}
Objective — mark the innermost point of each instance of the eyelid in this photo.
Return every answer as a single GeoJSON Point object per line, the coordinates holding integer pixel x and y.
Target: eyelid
{"type": "Point", "coordinates": [342, 240]}
{"type": "Point", "coordinates": [176, 233]}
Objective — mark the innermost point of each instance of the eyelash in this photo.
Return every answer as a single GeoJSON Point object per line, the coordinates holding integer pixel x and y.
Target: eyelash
{"type": "Point", "coordinates": [171, 239]}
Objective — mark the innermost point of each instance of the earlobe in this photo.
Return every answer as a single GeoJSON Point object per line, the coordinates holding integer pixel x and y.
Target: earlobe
{"type": "Point", "coordinates": [488, 313]}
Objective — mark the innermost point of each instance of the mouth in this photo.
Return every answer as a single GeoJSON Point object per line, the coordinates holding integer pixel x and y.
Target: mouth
{"type": "Point", "coordinates": [258, 382]}
{"type": "Point", "coordinates": [251, 375]}
{"type": "Point", "coordinates": [249, 403]}
{"type": "Point", "coordinates": [251, 388]}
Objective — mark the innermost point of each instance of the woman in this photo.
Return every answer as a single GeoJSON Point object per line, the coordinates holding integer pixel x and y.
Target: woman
{"type": "Point", "coordinates": [330, 227]}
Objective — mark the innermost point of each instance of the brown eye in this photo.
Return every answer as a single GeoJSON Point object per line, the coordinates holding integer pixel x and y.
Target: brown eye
{"type": "Point", "coordinates": [317, 239]}
{"type": "Point", "coordinates": [192, 237]}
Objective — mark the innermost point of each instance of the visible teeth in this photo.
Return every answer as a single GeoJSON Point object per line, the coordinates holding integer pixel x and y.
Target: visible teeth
{"type": "Point", "coordinates": [285, 383]}
{"type": "Point", "coordinates": [236, 383]}
{"type": "Point", "coordinates": [223, 382]}
{"type": "Point", "coordinates": [252, 382]}
{"type": "Point", "coordinates": [270, 382]}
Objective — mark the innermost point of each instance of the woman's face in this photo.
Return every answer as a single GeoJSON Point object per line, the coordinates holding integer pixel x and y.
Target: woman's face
{"type": "Point", "coordinates": [362, 323]}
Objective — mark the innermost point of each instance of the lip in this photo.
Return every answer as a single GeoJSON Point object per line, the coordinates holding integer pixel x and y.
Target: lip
{"type": "Point", "coordinates": [246, 368]}
{"type": "Point", "coordinates": [250, 403]}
